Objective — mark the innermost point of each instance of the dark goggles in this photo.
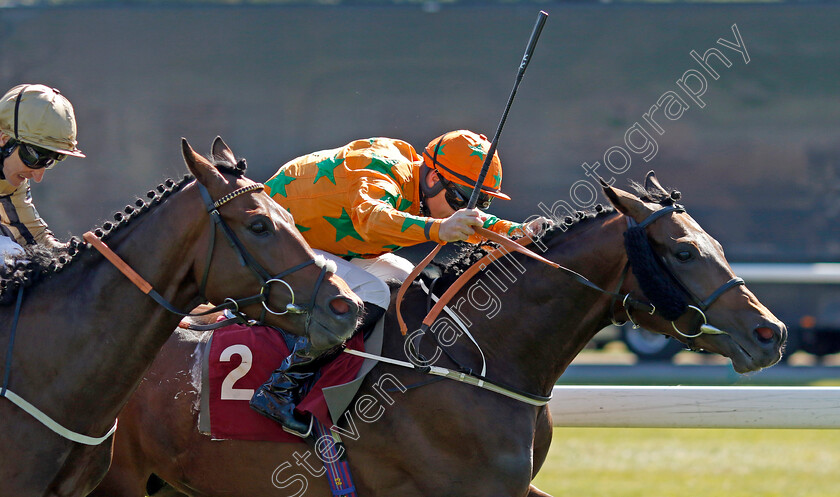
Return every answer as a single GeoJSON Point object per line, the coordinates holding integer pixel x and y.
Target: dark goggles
{"type": "Point", "coordinates": [458, 196]}
{"type": "Point", "coordinates": [35, 157]}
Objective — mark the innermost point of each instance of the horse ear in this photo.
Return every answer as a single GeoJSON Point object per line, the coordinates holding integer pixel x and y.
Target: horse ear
{"type": "Point", "coordinates": [221, 152]}
{"type": "Point", "coordinates": [652, 183]}
{"type": "Point", "coordinates": [200, 167]}
{"type": "Point", "coordinates": [626, 203]}
{"type": "Point", "coordinates": [613, 196]}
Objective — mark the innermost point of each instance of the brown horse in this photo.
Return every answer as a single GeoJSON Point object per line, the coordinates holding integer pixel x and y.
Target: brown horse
{"type": "Point", "coordinates": [85, 334]}
{"type": "Point", "coordinates": [411, 436]}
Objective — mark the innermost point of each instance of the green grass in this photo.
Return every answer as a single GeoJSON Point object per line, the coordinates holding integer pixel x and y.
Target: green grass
{"type": "Point", "coordinates": [641, 462]}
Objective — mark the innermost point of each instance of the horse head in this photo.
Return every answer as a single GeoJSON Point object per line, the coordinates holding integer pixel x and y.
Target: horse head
{"type": "Point", "coordinates": [695, 296]}
{"type": "Point", "coordinates": [295, 289]}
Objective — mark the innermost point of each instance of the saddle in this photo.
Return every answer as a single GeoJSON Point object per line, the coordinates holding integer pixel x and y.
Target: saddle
{"type": "Point", "coordinates": [236, 359]}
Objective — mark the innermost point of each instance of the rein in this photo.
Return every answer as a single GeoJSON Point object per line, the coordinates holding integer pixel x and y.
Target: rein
{"type": "Point", "coordinates": [30, 409]}
{"type": "Point", "coordinates": [245, 258]}
{"type": "Point", "coordinates": [635, 232]}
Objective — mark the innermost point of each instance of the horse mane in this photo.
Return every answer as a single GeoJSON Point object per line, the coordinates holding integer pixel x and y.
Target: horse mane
{"type": "Point", "coordinates": [448, 270]}
{"type": "Point", "coordinates": [39, 263]}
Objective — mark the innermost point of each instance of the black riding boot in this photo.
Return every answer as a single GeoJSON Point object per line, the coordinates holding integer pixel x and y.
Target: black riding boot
{"type": "Point", "coordinates": [276, 399]}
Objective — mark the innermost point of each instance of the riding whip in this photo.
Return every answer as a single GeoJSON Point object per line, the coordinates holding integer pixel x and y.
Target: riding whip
{"type": "Point", "coordinates": [529, 52]}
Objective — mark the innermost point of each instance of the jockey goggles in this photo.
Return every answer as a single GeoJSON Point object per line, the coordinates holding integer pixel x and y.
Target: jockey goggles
{"type": "Point", "coordinates": [458, 196]}
{"type": "Point", "coordinates": [35, 157]}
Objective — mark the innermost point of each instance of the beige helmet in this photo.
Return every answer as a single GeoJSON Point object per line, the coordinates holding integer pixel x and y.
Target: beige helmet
{"type": "Point", "coordinates": [40, 116]}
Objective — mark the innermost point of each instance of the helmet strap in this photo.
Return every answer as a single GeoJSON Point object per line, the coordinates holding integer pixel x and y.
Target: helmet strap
{"type": "Point", "coordinates": [5, 151]}
{"type": "Point", "coordinates": [17, 107]}
{"type": "Point", "coordinates": [9, 147]}
{"type": "Point", "coordinates": [425, 189]}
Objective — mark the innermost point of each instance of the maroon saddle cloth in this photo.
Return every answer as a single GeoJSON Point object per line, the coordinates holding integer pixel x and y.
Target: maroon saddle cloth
{"type": "Point", "coordinates": [238, 359]}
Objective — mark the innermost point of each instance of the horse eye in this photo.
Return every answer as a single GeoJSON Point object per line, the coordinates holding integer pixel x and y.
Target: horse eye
{"type": "Point", "coordinates": [683, 255]}
{"type": "Point", "coordinates": [258, 227]}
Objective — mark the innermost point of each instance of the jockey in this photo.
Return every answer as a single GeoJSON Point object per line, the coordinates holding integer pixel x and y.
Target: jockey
{"type": "Point", "coordinates": [37, 130]}
{"type": "Point", "coordinates": [357, 204]}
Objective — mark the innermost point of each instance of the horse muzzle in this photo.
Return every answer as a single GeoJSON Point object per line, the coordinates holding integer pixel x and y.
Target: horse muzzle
{"type": "Point", "coordinates": [333, 323]}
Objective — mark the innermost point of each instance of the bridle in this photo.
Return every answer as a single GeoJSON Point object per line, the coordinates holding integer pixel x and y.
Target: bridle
{"type": "Point", "coordinates": [467, 375]}
{"type": "Point", "coordinates": [637, 242]}
{"type": "Point", "coordinates": [245, 259]}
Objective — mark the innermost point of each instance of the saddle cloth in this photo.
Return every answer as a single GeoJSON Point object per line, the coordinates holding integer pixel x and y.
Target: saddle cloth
{"type": "Point", "coordinates": [237, 359]}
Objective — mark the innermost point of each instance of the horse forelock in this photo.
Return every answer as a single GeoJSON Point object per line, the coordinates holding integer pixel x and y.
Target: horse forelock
{"type": "Point", "coordinates": [38, 263]}
{"type": "Point", "coordinates": [655, 195]}
{"type": "Point", "coordinates": [227, 167]}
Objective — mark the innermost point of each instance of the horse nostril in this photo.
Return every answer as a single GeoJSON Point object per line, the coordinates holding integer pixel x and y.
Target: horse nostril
{"type": "Point", "coordinates": [764, 334]}
{"type": "Point", "coordinates": [340, 306]}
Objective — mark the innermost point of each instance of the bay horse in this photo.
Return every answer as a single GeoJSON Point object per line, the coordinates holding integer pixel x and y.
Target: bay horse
{"type": "Point", "coordinates": [444, 438]}
{"type": "Point", "coordinates": [85, 334]}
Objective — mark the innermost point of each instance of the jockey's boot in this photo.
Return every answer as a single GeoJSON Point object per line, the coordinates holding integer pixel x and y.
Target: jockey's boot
{"type": "Point", "coordinates": [276, 398]}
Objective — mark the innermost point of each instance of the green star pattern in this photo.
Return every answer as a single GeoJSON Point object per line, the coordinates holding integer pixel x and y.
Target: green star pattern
{"type": "Point", "coordinates": [390, 198]}
{"type": "Point", "coordinates": [477, 150]}
{"type": "Point", "coordinates": [413, 220]}
{"type": "Point", "coordinates": [396, 201]}
{"type": "Point", "coordinates": [326, 169]}
{"type": "Point", "coordinates": [343, 226]}
{"type": "Point", "coordinates": [498, 180]}
{"type": "Point", "coordinates": [382, 165]}
{"type": "Point", "coordinates": [392, 247]}
{"type": "Point", "coordinates": [278, 183]}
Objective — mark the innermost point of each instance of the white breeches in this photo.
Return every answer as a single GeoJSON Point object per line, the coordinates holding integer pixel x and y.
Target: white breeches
{"type": "Point", "coordinates": [367, 277]}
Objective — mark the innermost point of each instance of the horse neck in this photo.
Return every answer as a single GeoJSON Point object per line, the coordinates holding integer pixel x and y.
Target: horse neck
{"type": "Point", "coordinates": [106, 330]}
{"type": "Point", "coordinates": [545, 317]}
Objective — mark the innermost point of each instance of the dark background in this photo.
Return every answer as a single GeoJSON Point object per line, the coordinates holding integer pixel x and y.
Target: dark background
{"type": "Point", "coordinates": [759, 166]}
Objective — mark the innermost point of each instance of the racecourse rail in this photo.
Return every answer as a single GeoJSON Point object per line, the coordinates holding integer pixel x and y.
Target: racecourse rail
{"type": "Point", "coordinates": [695, 407]}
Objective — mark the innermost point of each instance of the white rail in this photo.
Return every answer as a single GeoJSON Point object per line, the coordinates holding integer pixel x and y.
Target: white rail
{"type": "Point", "coordinates": [696, 407]}
{"type": "Point", "coordinates": [817, 273]}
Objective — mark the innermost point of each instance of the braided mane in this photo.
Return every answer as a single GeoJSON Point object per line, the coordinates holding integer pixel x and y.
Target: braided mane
{"type": "Point", "coordinates": [39, 263]}
{"type": "Point", "coordinates": [469, 254]}
{"type": "Point", "coordinates": [448, 269]}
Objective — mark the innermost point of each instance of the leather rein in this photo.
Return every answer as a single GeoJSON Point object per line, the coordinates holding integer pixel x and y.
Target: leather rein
{"type": "Point", "coordinates": [467, 375]}
{"type": "Point", "coordinates": [245, 258]}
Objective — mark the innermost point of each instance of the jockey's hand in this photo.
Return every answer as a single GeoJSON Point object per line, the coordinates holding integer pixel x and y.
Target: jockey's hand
{"type": "Point", "coordinates": [534, 228]}
{"type": "Point", "coordinates": [461, 225]}
{"type": "Point", "coordinates": [538, 227]}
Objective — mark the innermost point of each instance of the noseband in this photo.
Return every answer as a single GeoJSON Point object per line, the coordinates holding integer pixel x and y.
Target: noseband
{"type": "Point", "coordinates": [245, 259]}
{"type": "Point", "coordinates": [667, 293]}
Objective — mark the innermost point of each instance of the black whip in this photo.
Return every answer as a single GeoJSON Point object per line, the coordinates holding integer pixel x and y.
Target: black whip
{"type": "Point", "coordinates": [529, 52]}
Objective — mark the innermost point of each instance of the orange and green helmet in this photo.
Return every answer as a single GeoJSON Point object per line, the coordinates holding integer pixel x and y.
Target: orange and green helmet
{"type": "Point", "coordinates": [457, 156]}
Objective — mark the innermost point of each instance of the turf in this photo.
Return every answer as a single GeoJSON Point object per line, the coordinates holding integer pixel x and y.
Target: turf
{"type": "Point", "coordinates": [614, 462]}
